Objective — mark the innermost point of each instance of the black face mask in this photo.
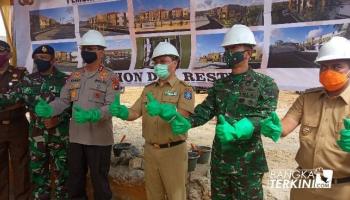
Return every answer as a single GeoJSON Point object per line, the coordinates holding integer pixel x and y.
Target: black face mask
{"type": "Point", "coordinates": [42, 65]}
{"type": "Point", "coordinates": [88, 56]}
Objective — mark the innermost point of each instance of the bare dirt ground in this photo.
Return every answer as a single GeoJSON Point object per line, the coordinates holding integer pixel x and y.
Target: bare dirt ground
{"type": "Point", "coordinates": [279, 156]}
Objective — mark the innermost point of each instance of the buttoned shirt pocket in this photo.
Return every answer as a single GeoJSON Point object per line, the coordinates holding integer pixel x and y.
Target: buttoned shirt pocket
{"type": "Point", "coordinates": [308, 129]}
{"type": "Point", "coordinates": [249, 96]}
{"type": "Point", "coordinates": [74, 89]}
{"type": "Point", "coordinates": [98, 93]}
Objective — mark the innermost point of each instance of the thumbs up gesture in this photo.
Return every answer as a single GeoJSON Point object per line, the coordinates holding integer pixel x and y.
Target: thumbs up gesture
{"type": "Point", "coordinates": [153, 106]}
{"type": "Point", "coordinates": [271, 127]}
{"type": "Point", "coordinates": [81, 115]}
{"type": "Point", "coordinates": [43, 109]}
{"type": "Point", "coordinates": [243, 129]}
{"type": "Point", "coordinates": [164, 110]}
{"type": "Point", "coordinates": [344, 142]}
{"type": "Point", "coordinates": [224, 130]}
{"type": "Point", "coordinates": [180, 124]}
{"type": "Point", "coordinates": [118, 110]}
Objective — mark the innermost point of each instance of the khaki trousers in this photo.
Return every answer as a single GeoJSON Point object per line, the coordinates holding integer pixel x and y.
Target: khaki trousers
{"type": "Point", "coordinates": [336, 192]}
{"type": "Point", "coordinates": [166, 172]}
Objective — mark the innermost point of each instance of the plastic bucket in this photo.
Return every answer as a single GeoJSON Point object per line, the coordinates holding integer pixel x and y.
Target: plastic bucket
{"type": "Point", "coordinates": [192, 160]}
{"type": "Point", "coordinates": [204, 154]}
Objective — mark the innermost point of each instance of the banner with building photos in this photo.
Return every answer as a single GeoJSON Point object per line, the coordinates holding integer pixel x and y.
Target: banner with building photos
{"type": "Point", "coordinates": [289, 34]}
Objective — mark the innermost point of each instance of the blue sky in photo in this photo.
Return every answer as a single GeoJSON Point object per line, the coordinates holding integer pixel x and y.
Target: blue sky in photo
{"type": "Point", "coordinates": [209, 43]}
{"type": "Point", "coordinates": [212, 42]}
{"type": "Point", "coordinates": [209, 4]}
{"type": "Point", "coordinates": [64, 46]}
{"type": "Point", "coordinates": [119, 44]}
{"type": "Point", "coordinates": [300, 34]}
{"type": "Point", "coordinates": [89, 10]}
{"type": "Point", "coordinates": [62, 15]}
{"type": "Point", "coordinates": [145, 5]}
{"type": "Point", "coordinates": [259, 36]}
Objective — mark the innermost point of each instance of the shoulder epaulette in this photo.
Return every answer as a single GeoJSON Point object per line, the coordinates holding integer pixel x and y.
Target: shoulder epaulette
{"type": "Point", "coordinates": [154, 82]}
{"type": "Point", "coordinates": [185, 83]}
{"type": "Point", "coordinates": [316, 89]}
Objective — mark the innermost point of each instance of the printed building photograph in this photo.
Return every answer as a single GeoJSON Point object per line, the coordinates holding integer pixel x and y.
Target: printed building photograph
{"type": "Point", "coordinates": [297, 47]}
{"type": "Point", "coordinates": [146, 45]}
{"type": "Point", "coordinates": [293, 11]}
{"type": "Point", "coordinates": [110, 18]}
{"type": "Point", "coordinates": [66, 54]}
{"type": "Point", "coordinates": [118, 54]}
{"type": "Point", "coordinates": [161, 16]}
{"type": "Point", "coordinates": [51, 24]}
{"type": "Point", "coordinates": [217, 14]}
{"type": "Point", "coordinates": [210, 54]}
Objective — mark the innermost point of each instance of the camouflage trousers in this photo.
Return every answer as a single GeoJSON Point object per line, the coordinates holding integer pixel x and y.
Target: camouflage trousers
{"type": "Point", "coordinates": [235, 186]}
{"type": "Point", "coordinates": [48, 157]}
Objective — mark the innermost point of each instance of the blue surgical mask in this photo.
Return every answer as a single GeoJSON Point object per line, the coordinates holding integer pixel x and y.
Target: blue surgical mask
{"type": "Point", "coordinates": [161, 70]}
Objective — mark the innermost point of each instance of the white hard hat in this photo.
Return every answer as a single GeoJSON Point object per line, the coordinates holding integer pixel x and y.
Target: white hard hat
{"type": "Point", "coordinates": [335, 49]}
{"type": "Point", "coordinates": [93, 37]}
{"type": "Point", "coordinates": [239, 34]}
{"type": "Point", "coordinates": [164, 48]}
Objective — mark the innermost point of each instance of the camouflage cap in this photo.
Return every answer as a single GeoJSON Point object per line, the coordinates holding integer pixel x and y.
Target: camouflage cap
{"type": "Point", "coordinates": [4, 46]}
{"type": "Point", "coordinates": [44, 49]}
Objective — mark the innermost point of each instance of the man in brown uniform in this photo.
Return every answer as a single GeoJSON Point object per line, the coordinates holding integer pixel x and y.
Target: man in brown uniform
{"type": "Point", "coordinates": [165, 154]}
{"type": "Point", "coordinates": [13, 131]}
{"type": "Point", "coordinates": [90, 90]}
{"type": "Point", "coordinates": [321, 112]}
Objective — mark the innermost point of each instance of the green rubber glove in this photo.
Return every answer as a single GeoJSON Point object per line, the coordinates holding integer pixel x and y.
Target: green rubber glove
{"type": "Point", "coordinates": [81, 115]}
{"type": "Point", "coordinates": [168, 112]}
{"type": "Point", "coordinates": [180, 125]}
{"type": "Point", "coordinates": [118, 110]}
{"type": "Point", "coordinates": [153, 106]}
{"type": "Point", "coordinates": [165, 111]}
{"type": "Point", "coordinates": [243, 129]}
{"type": "Point", "coordinates": [271, 127]}
{"type": "Point", "coordinates": [344, 142]}
{"type": "Point", "coordinates": [43, 109]}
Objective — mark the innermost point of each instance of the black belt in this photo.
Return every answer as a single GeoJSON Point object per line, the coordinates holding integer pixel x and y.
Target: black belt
{"type": "Point", "coordinates": [334, 180]}
{"type": "Point", "coordinates": [340, 180]}
{"type": "Point", "coordinates": [167, 145]}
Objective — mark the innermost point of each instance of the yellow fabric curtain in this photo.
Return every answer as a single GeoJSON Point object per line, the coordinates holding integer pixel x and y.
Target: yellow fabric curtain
{"type": "Point", "coordinates": [6, 6]}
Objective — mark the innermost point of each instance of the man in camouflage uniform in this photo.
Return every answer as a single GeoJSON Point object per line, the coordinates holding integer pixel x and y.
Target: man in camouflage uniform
{"type": "Point", "coordinates": [13, 131]}
{"type": "Point", "coordinates": [48, 137]}
{"type": "Point", "coordinates": [239, 101]}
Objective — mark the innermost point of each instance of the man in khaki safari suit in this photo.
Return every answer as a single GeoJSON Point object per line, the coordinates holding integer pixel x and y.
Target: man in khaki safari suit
{"type": "Point", "coordinates": [165, 152]}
